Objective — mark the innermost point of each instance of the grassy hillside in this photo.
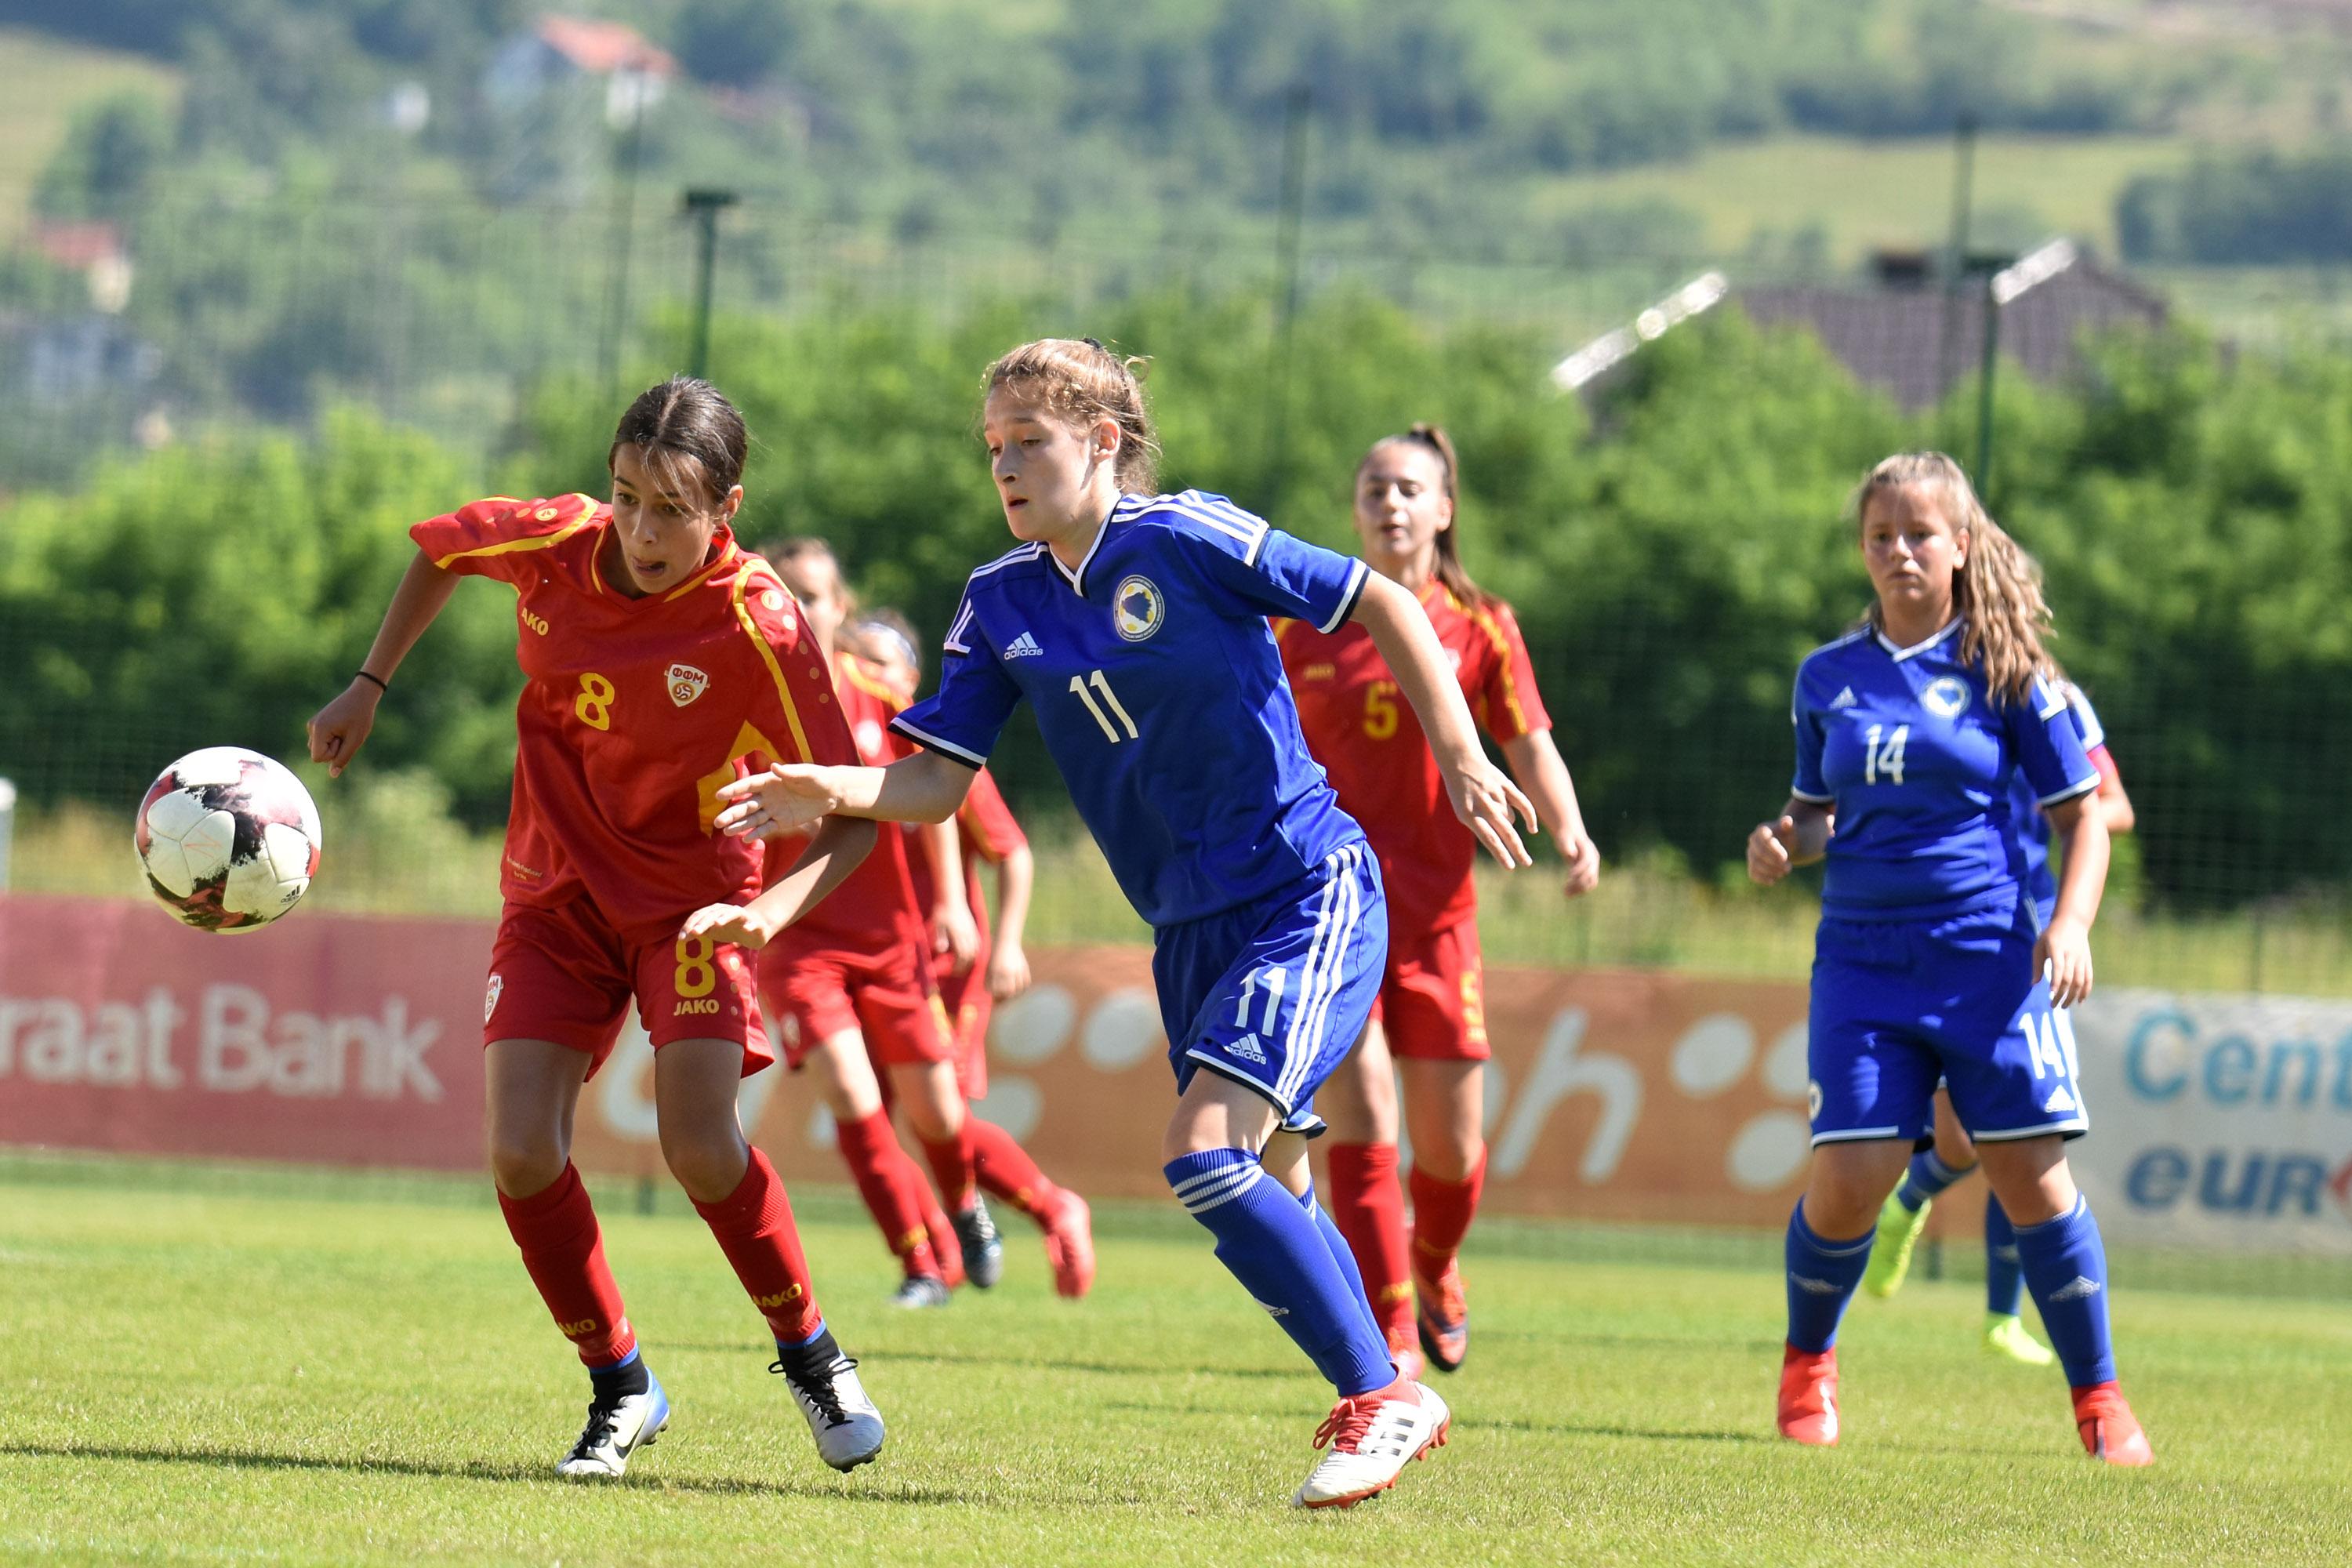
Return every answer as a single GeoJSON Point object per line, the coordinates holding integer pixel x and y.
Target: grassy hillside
{"type": "Point", "coordinates": [48, 78]}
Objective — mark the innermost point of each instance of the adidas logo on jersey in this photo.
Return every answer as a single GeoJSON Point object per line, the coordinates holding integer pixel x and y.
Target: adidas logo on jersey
{"type": "Point", "coordinates": [1023, 646]}
{"type": "Point", "coordinates": [1247, 1048]}
{"type": "Point", "coordinates": [2078, 1288]}
{"type": "Point", "coordinates": [2060, 1100]}
{"type": "Point", "coordinates": [1844, 699]}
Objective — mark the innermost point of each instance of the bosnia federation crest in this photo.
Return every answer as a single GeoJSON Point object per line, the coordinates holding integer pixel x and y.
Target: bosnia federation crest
{"type": "Point", "coordinates": [1137, 608]}
{"type": "Point", "coordinates": [685, 683]}
{"type": "Point", "coordinates": [1947, 697]}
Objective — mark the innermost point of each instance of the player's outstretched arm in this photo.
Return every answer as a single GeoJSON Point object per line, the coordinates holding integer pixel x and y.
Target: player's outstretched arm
{"type": "Point", "coordinates": [1537, 764]}
{"type": "Point", "coordinates": [1484, 796]}
{"type": "Point", "coordinates": [832, 853]}
{"type": "Point", "coordinates": [340, 729]}
{"type": "Point", "coordinates": [1799, 836]}
{"type": "Point", "coordinates": [952, 929]}
{"type": "Point", "coordinates": [925, 787]}
{"type": "Point", "coordinates": [2064, 951]}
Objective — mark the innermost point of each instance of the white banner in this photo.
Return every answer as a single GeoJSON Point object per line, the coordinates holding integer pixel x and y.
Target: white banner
{"type": "Point", "coordinates": [2220, 1121]}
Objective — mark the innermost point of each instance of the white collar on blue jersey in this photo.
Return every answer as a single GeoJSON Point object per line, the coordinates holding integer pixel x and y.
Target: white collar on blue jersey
{"type": "Point", "coordinates": [1950, 627]}
{"type": "Point", "coordinates": [1077, 579]}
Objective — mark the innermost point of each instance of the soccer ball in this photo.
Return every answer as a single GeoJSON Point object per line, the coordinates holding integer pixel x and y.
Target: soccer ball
{"type": "Point", "coordinates": [229, 840]}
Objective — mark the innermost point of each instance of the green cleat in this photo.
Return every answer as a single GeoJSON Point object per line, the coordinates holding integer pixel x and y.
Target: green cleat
{"type": "Point", "coordinates": [2005, 1335]}
{"type": "Point", "coordinates": [1890, 1255]}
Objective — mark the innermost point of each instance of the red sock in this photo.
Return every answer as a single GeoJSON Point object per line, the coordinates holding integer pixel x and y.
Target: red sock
{"type": "Point", "coordinates": [755, 1230]}
{"type": "Point", "coordinates": [563, 1249]}
{"type": "Point", "coordinates": [951, 1166]}
{"type": "Point", "coordinates": [1368, 1206]}
{"type": "Point", "coordinates": [945, 1245]}
{"type": "Point", "coordinates": [1006, 1170]}
{"type": "Point", "coordinates": [1441, 1215]}
{"type": "Point", "coordinates": [892, 1187]}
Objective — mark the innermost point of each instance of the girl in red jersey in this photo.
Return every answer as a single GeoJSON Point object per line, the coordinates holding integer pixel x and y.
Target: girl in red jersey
{"type": "Point", "coordinates": [1429, 1018]}
{"type": "Point", "coordinates": [854, 987]}
{"type": "Point", "coordinates": [986, 830]}
{"type": "Point", "coordinates": [660, 661]}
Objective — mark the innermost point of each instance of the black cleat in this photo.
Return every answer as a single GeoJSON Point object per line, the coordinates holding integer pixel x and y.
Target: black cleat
{"type": "Point", "coordinates": [983, 1253]}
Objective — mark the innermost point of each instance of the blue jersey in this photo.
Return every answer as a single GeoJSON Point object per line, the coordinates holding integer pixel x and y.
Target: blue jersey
{"type": "Point", "coordinates": [1918, 762]}
{"type": "Point", "coordinates": [2040, 885]}
{"type": "Point", "coordinates": [1160, 690]}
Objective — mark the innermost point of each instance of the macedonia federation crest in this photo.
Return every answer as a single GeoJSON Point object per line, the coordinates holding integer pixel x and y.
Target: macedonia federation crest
{"type": "Point", "coordinates": [685, 683]}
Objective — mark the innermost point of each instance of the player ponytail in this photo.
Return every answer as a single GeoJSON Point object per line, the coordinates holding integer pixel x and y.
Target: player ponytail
{"type": "Point", "coordinates": [1082, 382]}
{"type": "Point", "coordinates": [1448, 567]}
{"type": "Point", "coordinates": [688, 435]}
{"type": "Point", "coordinates": [1998, 590]}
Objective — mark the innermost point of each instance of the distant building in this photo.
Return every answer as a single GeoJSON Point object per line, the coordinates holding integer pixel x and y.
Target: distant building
{"type": "Point", "coordinates": [559, 53]}
{"type": "Point", "coordinates": [1904, 331]}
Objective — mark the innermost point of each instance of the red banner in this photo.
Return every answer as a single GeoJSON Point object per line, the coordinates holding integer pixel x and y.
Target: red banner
{"type": "Point", "coordinates": [355, 1040]}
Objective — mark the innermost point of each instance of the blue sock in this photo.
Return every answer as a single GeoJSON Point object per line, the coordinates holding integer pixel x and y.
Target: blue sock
{"type": "Point", "coordinates": [814, 1334]}
{"type": "Point", "coordinates": [1345, 1257]}
{"type": "Point", "coordinates": [1278, 1254]}
{"type": "Point", "coordinates": [1821, 1278]}
{"type": "Point", "coordinates": [2066, 1269]}
{"type": "Point", "coordinates": [2004, 1278]}
{"type": "Point", "coordinates": [1926, 1178]}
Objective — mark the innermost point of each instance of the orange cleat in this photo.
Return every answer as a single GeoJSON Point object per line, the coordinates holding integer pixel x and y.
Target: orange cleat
{"type": "Point", "coordinates": [1070, 1245]}
{"type": "Point", "coordinates": [1809, 1410]}
{"type": "Point", "coordinates": [2109, 1429]}
{"type": "Point", "coordinates": [1441, 1315]}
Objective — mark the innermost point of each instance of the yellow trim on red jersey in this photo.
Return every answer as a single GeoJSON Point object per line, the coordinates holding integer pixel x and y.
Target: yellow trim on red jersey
{"type": "Point", "coordinates": [534, 541]}
{"type": "Point", "coordinates": [767, 654]}
{"type": "Point", "coordinates": [852, 668]}
{"type": "Point", "coordinates": [1280, 626]}
{"type": "Point", "coordinates": [1484, 619]}
{"type": "Point", "coordinates": [708, 572]}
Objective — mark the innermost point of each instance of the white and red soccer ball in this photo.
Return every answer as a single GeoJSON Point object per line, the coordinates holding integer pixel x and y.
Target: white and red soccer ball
{"type": "Point", "coordinates": [230, 839]}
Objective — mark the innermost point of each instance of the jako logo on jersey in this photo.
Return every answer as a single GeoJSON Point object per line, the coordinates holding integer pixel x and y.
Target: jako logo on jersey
{"type": "Point", "coordinates": [783, 1297]}
{"type": "Point", "coordinates": [1845, 699]}
{"type": "Point", "coordinates": [490, 1002]}
{"type": "Point", "coordinates": [1023, 646]}
{"type": "Point", "coordinates": [1137, 609]}
{"type": "Point", "coordinates": [685, 683]}
{"type": "Point", "coordinates": [1947, 697]}
{"type": "Point", "coordinates": [1247, 1048]}
{"type": "Point", "coordinates": [536, 622]}
{"type": "Point", "coordinates": [1319, 672]}
{"type": "Point", "coordinates": [695, 1005]}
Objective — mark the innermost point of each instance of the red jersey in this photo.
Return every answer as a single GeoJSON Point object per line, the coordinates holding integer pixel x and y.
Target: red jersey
{"type": "Point", "coordinates": [1365, 734]}
{"type": "Point", "coordinates": [986, 830]}
{"type": "Point", "coordinates": [635, 712]}
{"type": "Point", "coordinates": [876, 907]}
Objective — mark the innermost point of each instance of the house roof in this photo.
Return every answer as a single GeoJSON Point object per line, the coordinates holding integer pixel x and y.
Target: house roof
{"type": "Point", "coordinates": [602, 48]}
{"type": "Point", "coordinates": [1915, 340]}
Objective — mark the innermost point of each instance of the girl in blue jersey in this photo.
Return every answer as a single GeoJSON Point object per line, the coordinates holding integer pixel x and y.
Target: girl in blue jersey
{"type": "Point", "coordinates": [1931, 962]}
{"type": "Point", "coordinates": [1135, 625]}
{"type": "Point", "coordinates": [1905, 1214]}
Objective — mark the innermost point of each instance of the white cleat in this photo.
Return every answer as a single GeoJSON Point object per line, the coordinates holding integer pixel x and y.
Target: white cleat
{"type": "Point", "coordinates": [843, 1420]}
{"type": "Point", "coordinates": [615, 1430]}
{"type": "Point", "coordinates": [1372, 1437]}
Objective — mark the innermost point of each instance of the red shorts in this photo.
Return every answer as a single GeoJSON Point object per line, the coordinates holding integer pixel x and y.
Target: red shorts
{"type": "Point", "coordinates": [1433, 1002]}
{"type": "Point", "coordinates": [965, 1000]}
{"type": "Point", "coordinates": [885, 996]}
{"type": "Point", "coordinates": [564, 975]}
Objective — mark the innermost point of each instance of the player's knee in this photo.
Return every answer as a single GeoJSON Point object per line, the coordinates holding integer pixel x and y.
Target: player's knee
{"type": "Point", "coordinates": [708, 1163]}
{"type": "Point", "coordinates": [1449, 1158]}
{"type": "Point", "coordinates": [523, 1163]}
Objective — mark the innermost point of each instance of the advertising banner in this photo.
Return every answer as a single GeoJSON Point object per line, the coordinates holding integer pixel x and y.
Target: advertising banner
{"type": "Point", "coordinates": [2216, 1122]}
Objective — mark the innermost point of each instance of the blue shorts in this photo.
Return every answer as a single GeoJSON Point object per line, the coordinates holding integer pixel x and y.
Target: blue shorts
{"type": "Point", "coordinates": [1275, 994]}
{"type": "Point", "coordinates": [1898, 1004]}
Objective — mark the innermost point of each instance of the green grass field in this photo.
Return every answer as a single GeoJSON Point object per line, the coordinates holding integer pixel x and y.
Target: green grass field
{"type": "Point", "coordinates": [301, 1368]}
